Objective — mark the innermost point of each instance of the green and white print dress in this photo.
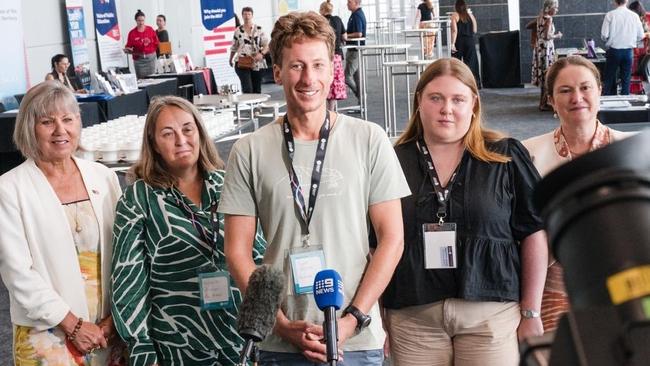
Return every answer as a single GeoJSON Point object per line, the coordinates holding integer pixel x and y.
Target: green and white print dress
{"type": "Point", "coordinates": [157, 256]}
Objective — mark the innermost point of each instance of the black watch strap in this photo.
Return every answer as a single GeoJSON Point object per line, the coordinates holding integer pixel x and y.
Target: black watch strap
{"type": "Point", "coordinates": [363, 320]}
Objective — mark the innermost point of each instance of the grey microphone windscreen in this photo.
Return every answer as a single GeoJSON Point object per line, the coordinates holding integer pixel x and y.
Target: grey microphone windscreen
{"type": "Point", "coordinates": [261, 303]}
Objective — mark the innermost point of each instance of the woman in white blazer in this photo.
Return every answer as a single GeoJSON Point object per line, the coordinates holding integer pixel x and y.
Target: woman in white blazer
{"type": "Point", "coordinates": [573, 85]}
{"type": "Point", "coordinates": [57, 217]}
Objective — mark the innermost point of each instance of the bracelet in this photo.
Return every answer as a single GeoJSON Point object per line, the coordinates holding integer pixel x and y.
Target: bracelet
{"type": "Point", "coordinates": [73, 335]}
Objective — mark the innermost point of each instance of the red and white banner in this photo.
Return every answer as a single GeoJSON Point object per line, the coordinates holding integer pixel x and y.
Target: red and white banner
{"type": "Point", "coordinates": [218, 28]}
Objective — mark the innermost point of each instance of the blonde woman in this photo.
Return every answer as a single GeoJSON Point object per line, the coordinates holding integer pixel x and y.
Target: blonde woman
{"type": "Point", "coordinates": [57, 216]}
{"type": "Point", "coordinates": [472, 193]}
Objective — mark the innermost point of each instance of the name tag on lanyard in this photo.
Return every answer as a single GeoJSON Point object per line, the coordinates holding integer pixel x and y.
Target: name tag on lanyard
{"type": "Point", "coordinates": [439, 245]}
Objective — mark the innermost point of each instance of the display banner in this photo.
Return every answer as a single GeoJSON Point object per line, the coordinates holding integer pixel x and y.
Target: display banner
{"type": "Point", "coordinates": [77, 30]}
{"type": "Point", "coordinates": [218, 19]}
{"type": "Point", "coordinates": [13, 64]}
{"type": "Point", "coordinates": [109, 38]}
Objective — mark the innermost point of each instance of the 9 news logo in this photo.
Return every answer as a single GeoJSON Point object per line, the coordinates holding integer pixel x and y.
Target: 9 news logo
{"type": "Point", "coordinates": [326, 286]}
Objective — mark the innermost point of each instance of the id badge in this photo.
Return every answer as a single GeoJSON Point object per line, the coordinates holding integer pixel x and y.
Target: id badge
{"type": "Point", "coordinates": [439, 245]}
{"type": "Point", "coordinates": [214, 290]}
{"type": "Point", "coordinates": [305, 263]}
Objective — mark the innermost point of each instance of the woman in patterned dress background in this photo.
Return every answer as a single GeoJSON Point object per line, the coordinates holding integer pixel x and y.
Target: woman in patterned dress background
{"type": "Point", "coordinates": [544, 51]}
{"type": "Point", "coordinates": [55, 242]}
{"type": "Point", "coordinates": [338, 89]}
{"type": "Point", "coordinates": [168, 239]}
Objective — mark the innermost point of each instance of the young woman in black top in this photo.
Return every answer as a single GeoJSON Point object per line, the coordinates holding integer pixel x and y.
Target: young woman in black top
{"type": "Point", "coordinates": [463, 28]}
{"type": "Point", "coordinates": [466, 290]}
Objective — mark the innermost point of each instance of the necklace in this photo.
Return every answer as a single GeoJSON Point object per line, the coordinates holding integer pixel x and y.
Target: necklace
{"type": "Point", "coordinates": [77, 225]}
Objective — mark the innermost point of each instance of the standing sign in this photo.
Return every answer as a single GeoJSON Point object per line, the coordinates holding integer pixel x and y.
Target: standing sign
{"type": "Point", "coordinates": [108, 35]}
{"type": "Point", "coordinates": [218, 18]}
{"type": "Point", "coordinates": [77, 30]}
{"type": "Point", "coordinates": [13, 67]}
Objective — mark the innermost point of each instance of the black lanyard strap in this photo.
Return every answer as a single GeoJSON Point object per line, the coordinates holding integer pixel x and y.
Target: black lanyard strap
{"type": "Point", "coordinates": [443, 194]}
{"type": "Point", "coordinates": [210, 237]}
{"type": "Point", "coordinates": [317, 171]}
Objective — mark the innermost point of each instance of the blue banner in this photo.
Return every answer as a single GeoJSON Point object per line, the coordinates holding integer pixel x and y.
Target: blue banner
{"type": "Point", "coordinates": [109, 39]}
{"type": "Point", "coordinates": [77, 30]}
{"type": "Point", "coordinates": [216, 12]}
{"type": "Point", "coordinates": [106, 18]}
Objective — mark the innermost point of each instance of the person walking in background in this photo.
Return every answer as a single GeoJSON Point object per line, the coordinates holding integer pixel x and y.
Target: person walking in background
{"type": "Point", "coordinates": [356, 29]}
{"type": "Point", "coordinates": [544, 50]}
{"type": "Point", "coordinates": [142, 44]}
{"type": "Point", "coordinates": [168, 245]}
{"type": "Point", "coordinates": [463, 28]}
{"type": "Point", "coordinates": [60, 65]}
{"type": "Point", "coordinates": [472, 197]}
{"type": "Point", "coordinates": [57, 216]}
{"type": "Point", "coordinates": [425, 13]}
{"type": "Point", "coordinates": [349, 175]}
{"type": "Point", "coordinates": [249, 47]}
{"type": "Point", "coordinates": [621, 31]}
{"type": "Point", "coordinates": [642, 52]}
{"type": "Point", "coordinates": [338, 91]}
{"type": "Point", "coordinates": [161, 31]}
{"type": "Point", "coordinates": [574, 88]}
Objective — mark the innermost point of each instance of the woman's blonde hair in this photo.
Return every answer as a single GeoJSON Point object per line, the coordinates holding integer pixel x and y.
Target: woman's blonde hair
{"type": "Point", "coordinates": [326, 8]}
{"type": "Point", "coordinates": [151, 167]}
{"type": "Point", "coordinates": [40, 101]}
{"type": "Point", "coordinates": [476, 137]}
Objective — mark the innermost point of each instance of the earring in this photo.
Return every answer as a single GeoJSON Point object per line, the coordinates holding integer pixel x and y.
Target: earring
{"type": "Point", "coordinates": [555, 115]}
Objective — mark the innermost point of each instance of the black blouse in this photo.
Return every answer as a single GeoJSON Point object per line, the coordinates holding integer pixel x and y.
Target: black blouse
{"type": "Point", "coordinates": [339, 29]}
{"type": "Point", "coordinates": [491, 204]}
{"type": "Point", "coordinates": [425, 12]}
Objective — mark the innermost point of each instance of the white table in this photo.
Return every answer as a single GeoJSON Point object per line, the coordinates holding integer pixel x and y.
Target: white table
{"type": "Point", "coordinates": [437, 25]}
{"type": "Point", "coordinates": [390, 109]}
{"type": "Point", "coordinates": [249, 99]}
{"type": "Point", "coordinates": [381, 50]}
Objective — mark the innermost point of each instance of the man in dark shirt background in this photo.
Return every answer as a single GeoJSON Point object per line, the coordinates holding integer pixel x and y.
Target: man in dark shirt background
{"type": "Point", "coordinates": [356, 29]}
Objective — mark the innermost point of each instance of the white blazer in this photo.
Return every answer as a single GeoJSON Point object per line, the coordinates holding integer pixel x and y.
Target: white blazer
{"type": "Point", "coordinates": [38, 257]}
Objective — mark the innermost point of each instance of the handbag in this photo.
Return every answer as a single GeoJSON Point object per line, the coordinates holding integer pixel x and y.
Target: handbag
{"type": "Point", "coordinates": [246, 62]}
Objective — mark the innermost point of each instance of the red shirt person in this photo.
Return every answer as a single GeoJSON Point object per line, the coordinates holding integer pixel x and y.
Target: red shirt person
{"type": "Point", "coordinates": [142, 43]}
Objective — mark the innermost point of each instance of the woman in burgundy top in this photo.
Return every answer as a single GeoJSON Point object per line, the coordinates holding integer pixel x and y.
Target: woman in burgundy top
{"type": "Point", "coordinates": [142, 43]}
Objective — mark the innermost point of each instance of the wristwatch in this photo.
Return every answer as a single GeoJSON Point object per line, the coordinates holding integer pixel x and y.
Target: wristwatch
{"type": "Point", "coordinates": [529, 314]}
{"type": "Point", "coordinates": [363, 320]}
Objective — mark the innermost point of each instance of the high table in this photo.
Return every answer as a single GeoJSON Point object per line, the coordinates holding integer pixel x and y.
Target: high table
{"type": "Point", "coordinates": [195, 77]}
{"type": "Point", "coordinates": [238, 100]}
{"type": "Point", "coordinates": [436, 25]}
{"type": "Point", "coordinates": [382, 51]}
{"type": "Point", "coordinates": [390, 108]}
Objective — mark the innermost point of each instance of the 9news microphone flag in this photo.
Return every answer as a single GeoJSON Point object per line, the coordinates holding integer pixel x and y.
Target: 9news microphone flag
{"type": "Point", "coordinates": [328, 293]}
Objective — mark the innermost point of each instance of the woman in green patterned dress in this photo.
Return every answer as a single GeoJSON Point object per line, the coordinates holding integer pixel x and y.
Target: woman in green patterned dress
{"type": "Point", "coordinates": [57, 216]}
{"type": "Point", "coordinates": [173, 300]}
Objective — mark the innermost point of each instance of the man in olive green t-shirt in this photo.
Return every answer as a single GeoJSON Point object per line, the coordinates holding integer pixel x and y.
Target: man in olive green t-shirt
{"type": "Point", "coordinates": [313, 179]}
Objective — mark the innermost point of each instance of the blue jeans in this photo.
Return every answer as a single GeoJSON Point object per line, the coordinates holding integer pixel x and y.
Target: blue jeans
{"type": "Point", "coordinates": [373, 357]}
{"type": "Point", "coordinates": [617, 59]}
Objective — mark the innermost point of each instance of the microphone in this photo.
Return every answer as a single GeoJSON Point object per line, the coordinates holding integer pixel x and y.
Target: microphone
{"type": "Point", "coordinates": [328, 292]}
{"type": "Point", "coordinates": [259, 307]}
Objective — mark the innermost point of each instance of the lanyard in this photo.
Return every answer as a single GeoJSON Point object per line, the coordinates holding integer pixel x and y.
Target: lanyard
{"type": "Point", "coordinates": [298, 197]}
{"type": "Point", "coordinates": [208, 236]}
{"type": "Point", "coordinates": [442, 194]}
